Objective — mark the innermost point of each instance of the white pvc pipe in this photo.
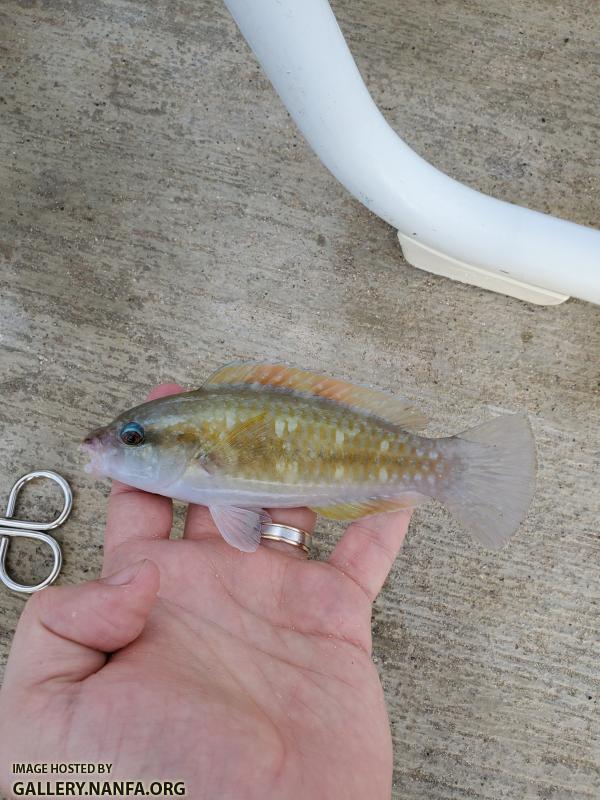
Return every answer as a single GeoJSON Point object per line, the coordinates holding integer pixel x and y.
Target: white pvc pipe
{"type": "Point", "coordinates": [303, 51]}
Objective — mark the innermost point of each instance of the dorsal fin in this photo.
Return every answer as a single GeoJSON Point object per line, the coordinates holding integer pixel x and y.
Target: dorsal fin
{"type": "Point", "coordinates": [281, 376]}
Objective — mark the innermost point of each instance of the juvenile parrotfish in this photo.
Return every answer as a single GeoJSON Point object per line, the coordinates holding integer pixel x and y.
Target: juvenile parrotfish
{"type": "Point", "coordinates": [260, 435]}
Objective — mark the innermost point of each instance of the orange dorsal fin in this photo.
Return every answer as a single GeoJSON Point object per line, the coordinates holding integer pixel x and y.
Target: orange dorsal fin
{"type": "Point", "coordinates": [280, 376]}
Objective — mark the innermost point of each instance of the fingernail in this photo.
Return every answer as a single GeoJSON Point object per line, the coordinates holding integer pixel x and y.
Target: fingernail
{"type": "Point", "coordinates": [125, 575]}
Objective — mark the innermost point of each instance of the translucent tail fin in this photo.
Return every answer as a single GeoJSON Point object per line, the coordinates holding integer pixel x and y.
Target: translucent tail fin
{"type": "Point", "coordinates": [494, 480]}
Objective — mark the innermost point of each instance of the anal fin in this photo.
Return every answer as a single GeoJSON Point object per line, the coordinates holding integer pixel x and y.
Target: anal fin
{"type": "Point", "coordinates": [345, 512]}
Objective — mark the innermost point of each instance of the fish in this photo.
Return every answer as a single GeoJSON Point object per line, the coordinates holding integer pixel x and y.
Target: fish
{"type": "Point", "coordinates": [263, 435]}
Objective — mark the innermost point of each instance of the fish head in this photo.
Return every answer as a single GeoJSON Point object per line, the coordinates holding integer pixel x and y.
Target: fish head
{"type": "Point", "coordinates": [148, 446]}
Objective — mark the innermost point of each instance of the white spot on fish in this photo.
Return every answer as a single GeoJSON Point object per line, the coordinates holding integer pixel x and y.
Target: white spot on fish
{"type": "Point", "coordinates": [384, 446]}
{"type": "Point", "coordinates": [339, 472]}
{"type": "Point", "coordinates": [279, 427]}
{"type": "Point", "coordinates": [292, 424]}
{"type": "Point", "coordinates": [383, 475]}
{"type": "Point", "coordinates": [339, 437]}
{"type": "Point", "coordinates": [229, 419]}
{"type": "Point", "coordinates": [433, 455]}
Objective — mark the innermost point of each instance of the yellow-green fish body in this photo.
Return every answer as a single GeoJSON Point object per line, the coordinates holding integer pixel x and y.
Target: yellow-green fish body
{"type": "Point", "coordinates": [257, 436]}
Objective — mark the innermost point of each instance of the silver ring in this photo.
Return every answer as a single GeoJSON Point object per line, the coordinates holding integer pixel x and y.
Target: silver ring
{"type": "Point", "coordinates": [286, 533]}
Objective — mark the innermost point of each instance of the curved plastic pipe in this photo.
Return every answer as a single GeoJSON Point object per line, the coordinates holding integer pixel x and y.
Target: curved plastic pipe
{"type": "Point", "coordinates": [444, 224]}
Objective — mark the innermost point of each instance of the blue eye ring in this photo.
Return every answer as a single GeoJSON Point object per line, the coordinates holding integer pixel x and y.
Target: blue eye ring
{"type": "Point", "coordinates": [131, 434]}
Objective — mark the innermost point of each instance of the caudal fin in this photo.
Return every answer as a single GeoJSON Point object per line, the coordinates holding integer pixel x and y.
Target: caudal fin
{"type": "Point", "coordinates": [494, 479]}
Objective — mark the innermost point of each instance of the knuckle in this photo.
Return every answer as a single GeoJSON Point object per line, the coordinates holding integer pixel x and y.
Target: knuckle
{"type": "Point", "coordinates": [40, 602]}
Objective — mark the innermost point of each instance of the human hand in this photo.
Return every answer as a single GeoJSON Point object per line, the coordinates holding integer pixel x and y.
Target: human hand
{"type": "Point", "coordinates": [243, 675]}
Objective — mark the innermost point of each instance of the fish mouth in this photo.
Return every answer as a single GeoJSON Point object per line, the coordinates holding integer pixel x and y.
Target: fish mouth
{"type": "Point", "coordinates": [94, 446]}
{"type": "Point", "coordinates": [94, 464]}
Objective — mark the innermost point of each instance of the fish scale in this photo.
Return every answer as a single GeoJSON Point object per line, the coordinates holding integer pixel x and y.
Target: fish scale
{"type": "Point", "coordinates": [307, 441]}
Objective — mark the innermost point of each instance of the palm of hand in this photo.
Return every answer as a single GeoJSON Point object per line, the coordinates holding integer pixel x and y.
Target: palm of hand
{"type": "Point", "coordinates": [264, 658]}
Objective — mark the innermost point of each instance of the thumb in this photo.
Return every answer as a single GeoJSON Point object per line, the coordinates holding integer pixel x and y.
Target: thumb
{"type": "Point", "coordinates": [65, 632]}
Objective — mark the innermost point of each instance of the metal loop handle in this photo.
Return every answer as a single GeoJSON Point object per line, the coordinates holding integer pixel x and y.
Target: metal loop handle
{"type": "Point", "coordinates": [15, 528]}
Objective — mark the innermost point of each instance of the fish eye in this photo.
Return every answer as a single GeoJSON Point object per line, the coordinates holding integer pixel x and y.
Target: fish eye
{"type": "Point", "coordinates": [132, 434]}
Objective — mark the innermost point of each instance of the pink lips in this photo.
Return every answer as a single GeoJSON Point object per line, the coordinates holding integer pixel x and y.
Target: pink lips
{"type": "Point", "coordinates": [94, 446]}
{"type": "Point", "coordinates": [93, 449]}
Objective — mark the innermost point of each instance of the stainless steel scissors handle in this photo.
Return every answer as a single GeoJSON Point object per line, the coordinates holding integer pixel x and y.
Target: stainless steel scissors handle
{"type": "Point", "coordinates": [10, 527]}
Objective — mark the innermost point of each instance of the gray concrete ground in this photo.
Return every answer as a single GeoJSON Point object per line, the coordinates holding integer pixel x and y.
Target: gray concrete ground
{"type": "Point", "coordinates": [161, 215]}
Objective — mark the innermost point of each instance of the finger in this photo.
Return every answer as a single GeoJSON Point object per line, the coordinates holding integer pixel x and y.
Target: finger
{"type": "Point", "coordinates": [199, 524]}
{"type": "Point", "coordinates": [134, 514]}
{"type": "Point", "coordinates": [65, 632]}
{"type": "Point", "coordinates": [367, 550]}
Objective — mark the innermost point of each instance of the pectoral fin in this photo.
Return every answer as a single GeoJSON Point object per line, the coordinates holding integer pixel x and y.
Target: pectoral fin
{"type": "Point", "coordinates": [240, 527]}
{"type": "Point", "coordinates": [248, 436]}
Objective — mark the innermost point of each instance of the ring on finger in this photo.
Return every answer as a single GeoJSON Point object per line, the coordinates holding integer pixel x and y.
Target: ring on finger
{"type": "Point", "coordinates": [275, 532]}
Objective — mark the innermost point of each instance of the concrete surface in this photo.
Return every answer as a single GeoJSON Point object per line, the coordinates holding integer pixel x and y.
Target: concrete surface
{"type": "Point", "coordinates": [160, 215]}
